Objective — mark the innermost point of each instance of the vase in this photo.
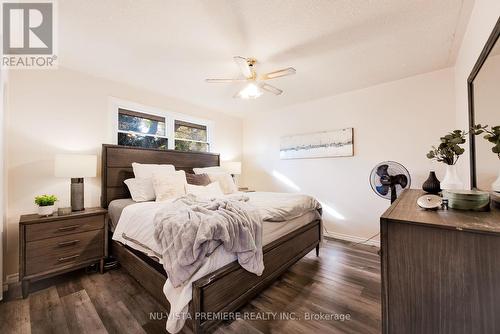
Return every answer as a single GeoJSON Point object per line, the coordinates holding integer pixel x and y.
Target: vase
{"type": "Point", "coordinates": [451, 179]}
{"type": "Point", "coordinates": [432, 184]}
{"type": "Point", "coordinates": [46, 210]}
{"type": "Point", "coordinates": [496, 185]}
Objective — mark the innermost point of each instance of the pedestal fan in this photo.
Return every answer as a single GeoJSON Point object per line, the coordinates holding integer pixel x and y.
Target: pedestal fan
{"type": "Point", "coordinates": [389, 178]}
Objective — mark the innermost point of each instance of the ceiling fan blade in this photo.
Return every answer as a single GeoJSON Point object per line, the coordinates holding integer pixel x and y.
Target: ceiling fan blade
{"type": "Point", "coordinates": [245, 67]}
{"type": "Point", "coordinates": [279, 73]}
{"type": "Point", "coordinates": [271, 89]}
{"type": "Point", "coordinates": [224, 80]}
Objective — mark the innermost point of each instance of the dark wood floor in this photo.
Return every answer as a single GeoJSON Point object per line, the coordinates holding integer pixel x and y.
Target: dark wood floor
{"type": "Point", "coordinates": [344, 280]}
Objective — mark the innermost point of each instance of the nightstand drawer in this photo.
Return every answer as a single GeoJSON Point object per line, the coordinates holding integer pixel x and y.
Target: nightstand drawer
{"type": "Point", "coordinates": [76, 242]}
{"type": "Point", "coordinates": [62, 251]}
{"type": "Point", "coordinates": [63, 227]}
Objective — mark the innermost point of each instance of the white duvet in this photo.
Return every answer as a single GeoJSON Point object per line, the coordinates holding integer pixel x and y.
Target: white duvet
{"type": "Point", "coordinates": [280, 207]}
{"type": "Point", "coordinates": [136, 229]}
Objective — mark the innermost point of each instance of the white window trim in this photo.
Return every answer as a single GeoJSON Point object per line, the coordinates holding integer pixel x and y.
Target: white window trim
{"type": "Point", "coordinates": [170, 117]}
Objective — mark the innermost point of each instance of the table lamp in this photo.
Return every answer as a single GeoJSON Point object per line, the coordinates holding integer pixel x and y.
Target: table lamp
{"type": "Point", "coordinates": [76, 167]}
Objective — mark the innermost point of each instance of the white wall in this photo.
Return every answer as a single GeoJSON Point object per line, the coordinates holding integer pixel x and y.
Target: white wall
{"type": "Point", "coordinates": [394, 121]}
{"type": "Point", "coordinates": [60, 111]}
{"type": "Point", "coordinates": [481, 23]}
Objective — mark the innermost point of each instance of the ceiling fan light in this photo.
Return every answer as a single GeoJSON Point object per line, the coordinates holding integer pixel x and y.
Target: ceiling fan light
{"type": "Point", "coordinates": [251, 91]}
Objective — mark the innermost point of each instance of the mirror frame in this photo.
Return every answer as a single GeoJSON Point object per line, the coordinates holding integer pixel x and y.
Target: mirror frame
{"type": "Point", "coordinates": [495, 34]}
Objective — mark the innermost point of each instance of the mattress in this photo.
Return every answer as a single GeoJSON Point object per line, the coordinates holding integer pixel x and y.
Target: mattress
{"type": "Point", "coordinates": [140, 236]}
{"type": "Point", "coordinates": [115, 209]}
{"type": "Point", "coordinates": [274, 230]}
{"type": "Point", "coordinates": [271, 232]}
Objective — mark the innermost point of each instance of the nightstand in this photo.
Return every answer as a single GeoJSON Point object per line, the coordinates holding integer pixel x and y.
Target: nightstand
{"type": "Point", "coordinates": [49, 246]}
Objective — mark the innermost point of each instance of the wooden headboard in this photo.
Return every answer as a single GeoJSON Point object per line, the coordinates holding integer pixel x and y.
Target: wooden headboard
{"type": "Point", "coordinates": [117, 166]}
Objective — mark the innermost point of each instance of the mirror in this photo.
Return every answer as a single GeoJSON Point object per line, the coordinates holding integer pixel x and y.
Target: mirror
{"type": "Point", "coordinates": [484, 109]}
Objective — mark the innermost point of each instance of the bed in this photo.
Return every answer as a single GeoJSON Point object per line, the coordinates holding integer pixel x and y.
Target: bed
{"type": "Point", "coordinates": [224, 290]}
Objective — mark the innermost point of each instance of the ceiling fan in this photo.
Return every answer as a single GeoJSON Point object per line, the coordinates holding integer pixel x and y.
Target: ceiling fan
{"type": "Point", "coordinates": [256, 83]}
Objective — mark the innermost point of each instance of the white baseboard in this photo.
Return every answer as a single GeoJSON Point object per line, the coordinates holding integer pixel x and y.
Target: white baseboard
{"type": "Point", "coordinates": [352, 238]}
{"type": "Point", "coordinates": [10, 279]}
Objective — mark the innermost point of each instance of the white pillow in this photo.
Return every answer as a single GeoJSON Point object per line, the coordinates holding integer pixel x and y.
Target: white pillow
{"type": "Point", "coordinates": [169, 185]}
{"type": "Point", "coordinates": [225, 180]}
{"type": "Point", "coordinates": [212, 190]}
{"type": "Point", "coordinates": [144, 171]}
{"type": "Point", "coordinates": [141, 190]}
{"type": "Point", "coordinates": [208, 170]}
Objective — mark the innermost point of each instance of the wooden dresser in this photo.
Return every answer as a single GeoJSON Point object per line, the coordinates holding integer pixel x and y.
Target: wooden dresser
{"type": "Point", "coordinates": [440, 269]}
{"type": "Point", "coordinates": [53, 245]}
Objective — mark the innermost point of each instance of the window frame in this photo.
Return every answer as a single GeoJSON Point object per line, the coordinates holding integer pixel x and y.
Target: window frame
{"type": "Point", "coordinates": [207, 129]}
{"type": "Point", "coordinates": [143, 115]}
{"type": "Point", "coordinates": [170, 117]}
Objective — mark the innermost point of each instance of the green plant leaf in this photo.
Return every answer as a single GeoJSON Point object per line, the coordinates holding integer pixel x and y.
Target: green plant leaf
{"type": "Point", "coordinates": [45, 200]}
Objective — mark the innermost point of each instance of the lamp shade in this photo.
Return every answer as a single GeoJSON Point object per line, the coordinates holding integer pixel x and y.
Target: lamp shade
{"type": "Point", "coordinates": [75, 165]}
{"type": "Point", "coordinates": [232, 167]}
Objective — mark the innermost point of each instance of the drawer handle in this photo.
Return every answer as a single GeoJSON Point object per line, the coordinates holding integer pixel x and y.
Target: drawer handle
{"type": "Point", "coordinates": [67, 258]}
{"type": "Point", "coordinates": [68, 243]}
{"type": "Point", "coordinates": [68, 228]}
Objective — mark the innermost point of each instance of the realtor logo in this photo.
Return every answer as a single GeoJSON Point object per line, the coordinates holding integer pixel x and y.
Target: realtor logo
{"type": "Point", "coordinates": [28, 29]}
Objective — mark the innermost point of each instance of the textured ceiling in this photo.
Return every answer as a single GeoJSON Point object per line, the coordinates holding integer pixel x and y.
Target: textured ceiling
{"type": "Point", "coordinates": [171, 46]}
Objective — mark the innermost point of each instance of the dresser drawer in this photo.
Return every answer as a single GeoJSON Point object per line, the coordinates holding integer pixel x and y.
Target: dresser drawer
{"type": "Point", "coordinates": [63, 227]}
{"type": "Point", "coordinates": [62, 251]}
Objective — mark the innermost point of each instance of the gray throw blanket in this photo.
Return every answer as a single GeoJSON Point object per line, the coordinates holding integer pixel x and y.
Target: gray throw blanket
{"type": "Point", "coordinates": [190, 229]}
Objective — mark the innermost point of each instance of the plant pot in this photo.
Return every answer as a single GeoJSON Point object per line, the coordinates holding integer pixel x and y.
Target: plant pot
{"type": "Point", "coordinates": [45, 211]}
{"type": "Point", "coordinates": [451, 179]}
{"type": "Point", "coordinates": [432, 184]}
{"type": "Point", "coordinates": [496, 185]}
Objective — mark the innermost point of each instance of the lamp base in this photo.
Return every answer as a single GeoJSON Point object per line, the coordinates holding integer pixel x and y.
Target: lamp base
{"type": "Point", "coordinates": [77, 194]}
{"type": "Point", "coordinates": [235, 179]}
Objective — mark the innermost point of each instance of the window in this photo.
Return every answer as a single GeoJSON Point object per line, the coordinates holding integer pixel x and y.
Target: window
{"type": "Point", "coordinates": [190, 137]}
{"type": "Point", "coordinates": [139, 129]}
{"type": "Point", "coordinates": [153, 128]}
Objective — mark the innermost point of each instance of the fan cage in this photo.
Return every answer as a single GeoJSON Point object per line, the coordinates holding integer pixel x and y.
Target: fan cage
{"type": "Point", "coordinates": [392, 170]}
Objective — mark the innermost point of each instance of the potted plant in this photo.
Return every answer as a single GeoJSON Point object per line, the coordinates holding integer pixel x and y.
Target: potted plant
{"type": "Point", "coordinates": [492, 134]}
{"type": "Point", "coordinates": [448, 152]}
{"type": "Point", "coordinates": [45, 204]}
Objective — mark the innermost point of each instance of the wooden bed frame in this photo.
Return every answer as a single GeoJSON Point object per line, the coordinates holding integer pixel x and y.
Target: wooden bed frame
{"type": "Point", "coordinates": [228, 288]}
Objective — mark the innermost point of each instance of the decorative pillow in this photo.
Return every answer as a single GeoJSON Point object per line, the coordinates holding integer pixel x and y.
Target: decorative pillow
{"type": "Point", "coordinates": [169, 185]}
{"type": "Point", "coordinates": [226, 182]}
{"type": "Point", "coordinates": [212, 190]}
{"type": "Point", "coordinates": [219, 174]}
{"type": "Point", "coordinates": [209, 170]}
{"type": "Point", "coordinates": [145, 171]}
{"type": "Point", "coordinates": [141, 190]}
{"type": "Point", "coordinates": [198, 179]}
